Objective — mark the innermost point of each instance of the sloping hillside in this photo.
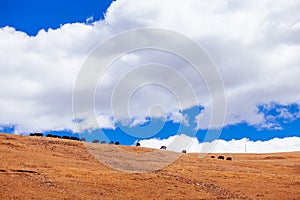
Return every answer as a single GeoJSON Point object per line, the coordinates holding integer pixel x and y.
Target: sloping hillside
{"type": "Point", "coordinates": [48, 168]}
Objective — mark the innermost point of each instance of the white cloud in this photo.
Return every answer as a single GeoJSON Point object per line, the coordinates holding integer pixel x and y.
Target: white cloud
{"type": "Point", "coordinates": [255, 45]}
{"type": "Point", "coordinates": [277, 115]}
{"type": "Point", "coordinates": [192, 145]}
{"type": "Point", "coordinates": [89, 20]}
{"type": "Point", "coordinates": [101, 120]}
{"type": "Point", "coordinates": [178, 117]}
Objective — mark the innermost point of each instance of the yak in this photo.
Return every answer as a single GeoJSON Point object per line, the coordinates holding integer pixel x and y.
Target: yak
{"type": "Point", "coordinates": [163, 147]}
{"type": "Point", "coordinates": [221, 157]}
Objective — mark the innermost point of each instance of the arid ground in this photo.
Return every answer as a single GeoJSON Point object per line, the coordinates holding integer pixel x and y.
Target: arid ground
{"type": "Point", "coordinates": [49, 168]}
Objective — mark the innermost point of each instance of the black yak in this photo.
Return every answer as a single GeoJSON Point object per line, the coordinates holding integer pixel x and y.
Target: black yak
{"type": "Point", "coordinates": [221, 157]}
{"type": "Point", "coordinates": [228, 158]}
{"type": "Point", "coordinates": [163, 147]}
{"type": "Point", "coordinates": [95, 141]}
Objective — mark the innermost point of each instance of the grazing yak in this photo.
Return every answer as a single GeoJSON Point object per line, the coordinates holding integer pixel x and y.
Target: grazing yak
{"type": "Point", "coordinates": [117, 143]}
{"type": "Point", "coordinates": [228, 158]}
{"type": "Point", "coordinates": [95, 141]}
{"type": "Point", "coordinates": [212, 156]}
{"type": "Point", "coordinates": [221, 157]}
{"type": "Point", "coordinates": [163, 147]}
{"type": "Point", "coordinates": [183, 151]}
{"type": "Point", "coordinates": [138, 144]}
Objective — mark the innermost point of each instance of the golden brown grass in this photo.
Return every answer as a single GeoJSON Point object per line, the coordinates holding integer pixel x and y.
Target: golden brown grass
{"type": "Point", "coordinates": [48, 168]}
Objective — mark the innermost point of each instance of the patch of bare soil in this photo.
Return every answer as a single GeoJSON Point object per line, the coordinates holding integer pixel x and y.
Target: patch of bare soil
{"type": "Point", "coordinates": [48, 168]}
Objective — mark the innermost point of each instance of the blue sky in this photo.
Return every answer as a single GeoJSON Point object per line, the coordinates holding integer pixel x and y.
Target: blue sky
{"type": "Point", "coordinates": [259, 73]}
{"type": "Point", "coordinates": [288, 128]}
{"type": "Point", "coordinates": [33, 15]}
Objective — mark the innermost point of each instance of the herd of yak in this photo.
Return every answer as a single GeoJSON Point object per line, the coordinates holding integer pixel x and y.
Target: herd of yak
{"type": "Point", "coordinates": [111, 142]}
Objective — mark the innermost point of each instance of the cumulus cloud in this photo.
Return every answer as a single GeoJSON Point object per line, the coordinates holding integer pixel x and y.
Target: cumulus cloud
{"type": "Point", "coordinates": [192, 145]}
{"type": "Point", "coordinates": [255, 46]}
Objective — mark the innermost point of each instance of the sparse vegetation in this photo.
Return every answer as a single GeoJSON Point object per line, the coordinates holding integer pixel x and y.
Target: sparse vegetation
{"type": "Point", "coordinates": [53, 136]}
{"type": "Point", "coordinates": [70, 137]}
{"type": "Point", "coordinates": [36, 134]}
